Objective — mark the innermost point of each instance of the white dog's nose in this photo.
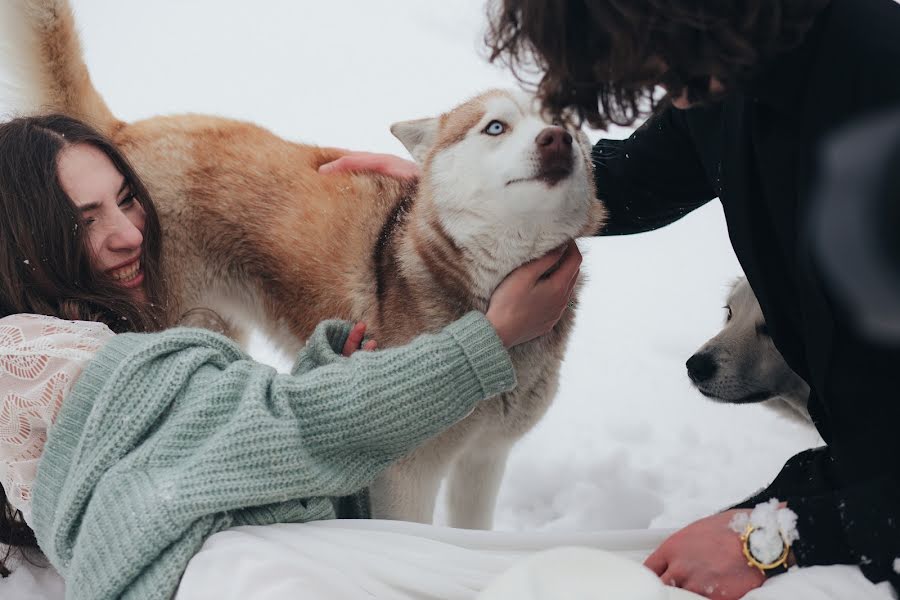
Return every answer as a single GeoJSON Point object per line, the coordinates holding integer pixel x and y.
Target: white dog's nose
{"type": "Point", "coordinates": [701, 367]}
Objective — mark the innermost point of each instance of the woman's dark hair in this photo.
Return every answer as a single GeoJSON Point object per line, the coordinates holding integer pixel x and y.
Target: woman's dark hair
{"type": "Point", "coordinates": [604, 58]}
{"type": "Point", "coordinates": [45, 258]}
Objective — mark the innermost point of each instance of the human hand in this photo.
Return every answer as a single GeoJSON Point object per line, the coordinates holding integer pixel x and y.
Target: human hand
{"type": "Point", "coordinates": [354, 340]}
{"type": "Point", "coordinates": [706, 558]}
{"type": "Point", "coordinates": [527, 304]}
{"type": "Point", "coordinates": [385, 164]}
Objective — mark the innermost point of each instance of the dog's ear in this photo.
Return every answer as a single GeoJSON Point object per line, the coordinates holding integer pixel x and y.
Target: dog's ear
{"type": "Point", "coordinates": [418, 136]}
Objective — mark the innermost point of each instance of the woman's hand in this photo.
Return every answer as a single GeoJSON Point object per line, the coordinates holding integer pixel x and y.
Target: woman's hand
{"type": "Point", "coordinates": [526, 304]}
{"type": "Point", "coordinates": [385, 164]}
{"type": "Point", "coordinates": [355, 340]}
{"type": "Point", "coordinates": [706, 558]}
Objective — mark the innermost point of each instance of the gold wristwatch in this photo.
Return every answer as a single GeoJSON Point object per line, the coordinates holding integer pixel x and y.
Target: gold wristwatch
{"type": "Point", "coordinates": [775, 567]}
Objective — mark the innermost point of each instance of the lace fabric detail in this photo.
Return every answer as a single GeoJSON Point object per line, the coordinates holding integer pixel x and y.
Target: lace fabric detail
{"type": "Point", "coordinates": [40, 359]}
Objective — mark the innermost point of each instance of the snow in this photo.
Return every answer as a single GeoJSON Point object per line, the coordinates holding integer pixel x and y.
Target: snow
{"type": "Point", "coordinates": [628, 443]}
{"type": "Point", "coordinates": [773, 527]}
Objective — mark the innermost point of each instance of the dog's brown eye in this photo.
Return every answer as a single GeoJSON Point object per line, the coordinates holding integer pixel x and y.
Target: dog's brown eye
{"type": "Point", "coordinates": [728, 313]}
{"type": "Point", "coordinates": [762, 330]}
{"type": "Point", "coordinates": [495, 128]}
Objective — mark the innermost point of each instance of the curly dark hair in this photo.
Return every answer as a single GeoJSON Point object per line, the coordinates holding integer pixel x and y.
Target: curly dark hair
{"type": "Point", "coordinates": [604, 58]}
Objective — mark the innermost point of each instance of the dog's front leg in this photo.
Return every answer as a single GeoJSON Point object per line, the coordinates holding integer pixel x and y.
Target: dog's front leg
{"type": "Point", "coordinates": [474, 482]}
{"type": "Point", "coordinates": [407, 490]}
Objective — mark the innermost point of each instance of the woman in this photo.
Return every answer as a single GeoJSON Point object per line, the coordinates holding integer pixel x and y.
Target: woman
{"type": "Point", "coordinates": [158, 440]}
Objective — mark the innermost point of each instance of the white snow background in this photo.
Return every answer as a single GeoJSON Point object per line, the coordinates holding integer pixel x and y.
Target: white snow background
{"type": "Point", "coordinates": [628, 442]}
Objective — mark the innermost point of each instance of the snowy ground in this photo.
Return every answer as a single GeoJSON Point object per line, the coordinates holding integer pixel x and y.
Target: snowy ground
{"type": "Point", "coordinates": [628, 443]}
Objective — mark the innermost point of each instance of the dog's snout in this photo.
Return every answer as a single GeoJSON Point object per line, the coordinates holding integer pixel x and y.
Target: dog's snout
{"type": "Point", "coordinates": [701, 367]}
{"type": "Point", "coordinates": [554, 145]}
{"type": "Point", "coordinates": [554, 140]}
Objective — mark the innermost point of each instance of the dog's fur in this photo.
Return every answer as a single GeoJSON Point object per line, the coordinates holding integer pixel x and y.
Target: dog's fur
{"type": "Point", "coordinates": [252, 231]}
{"type": "Point", "coordinates": [741, 365]}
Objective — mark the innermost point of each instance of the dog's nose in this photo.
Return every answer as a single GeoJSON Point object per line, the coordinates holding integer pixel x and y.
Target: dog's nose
{"type": "Point", "coordinates": [554, 141]}
{"type": "Point", "coordinates": [555, 150]}
{"type": "Point", "coordinates": [701, 367]}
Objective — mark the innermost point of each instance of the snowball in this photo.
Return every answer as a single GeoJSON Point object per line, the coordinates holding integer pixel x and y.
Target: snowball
{"type": "Point", "coordinates": [772, 527]}
{"type": "Point", "coordinates": [739, 522]}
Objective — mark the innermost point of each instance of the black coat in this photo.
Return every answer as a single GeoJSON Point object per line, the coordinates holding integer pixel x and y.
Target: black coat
{"type": "Point", "coordinates": [756, 151]}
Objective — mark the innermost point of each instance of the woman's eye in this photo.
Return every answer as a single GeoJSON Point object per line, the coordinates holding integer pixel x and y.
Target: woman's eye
{"type": "Point", "coordinates": [128, 200]}
{"type": "Point", "coordinates": [495, 128]}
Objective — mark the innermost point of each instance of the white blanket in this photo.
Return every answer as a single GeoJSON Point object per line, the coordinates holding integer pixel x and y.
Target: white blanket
{"type": "Point", "coordinates": [338, 560]}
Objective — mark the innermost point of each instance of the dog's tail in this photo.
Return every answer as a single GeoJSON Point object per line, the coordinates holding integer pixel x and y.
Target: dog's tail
{"type": "Point", "coordinates": [42, 67]}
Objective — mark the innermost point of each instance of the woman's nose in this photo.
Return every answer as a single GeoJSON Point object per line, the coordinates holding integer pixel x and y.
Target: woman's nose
{"type": "Point", "coordinates": [126, 235]}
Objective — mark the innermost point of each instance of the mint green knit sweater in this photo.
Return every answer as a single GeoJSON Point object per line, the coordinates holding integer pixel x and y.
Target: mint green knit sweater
{"type": "Point", "coordinates": [171, 437]}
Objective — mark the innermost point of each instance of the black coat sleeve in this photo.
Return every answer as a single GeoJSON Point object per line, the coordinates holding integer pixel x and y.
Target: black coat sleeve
{"type": "Point", "coordinates": [651, 179]}
{"type": "Point", "coordinates": [847, 495]}
{"type": "Point", "coordinates": [858, 521]}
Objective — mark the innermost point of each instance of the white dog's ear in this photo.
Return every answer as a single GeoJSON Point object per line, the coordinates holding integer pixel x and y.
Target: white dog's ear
{"type": "Point", "coordinates": [418, 136]}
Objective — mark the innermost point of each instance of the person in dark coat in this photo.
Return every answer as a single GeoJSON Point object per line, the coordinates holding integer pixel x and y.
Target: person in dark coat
{"type": "Point", "coordinates": [753, 90]}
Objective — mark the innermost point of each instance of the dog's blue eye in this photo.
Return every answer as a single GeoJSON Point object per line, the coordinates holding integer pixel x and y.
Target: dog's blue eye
{"type": "Point", "coordinates": [495, 128]}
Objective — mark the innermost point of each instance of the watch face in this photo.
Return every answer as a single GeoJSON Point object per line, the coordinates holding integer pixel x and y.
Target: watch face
{"type": "Point", "coordinates": [765, 546]}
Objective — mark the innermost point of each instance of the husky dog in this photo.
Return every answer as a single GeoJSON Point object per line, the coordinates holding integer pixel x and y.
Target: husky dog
{"type": "Point", "coordinates": [253, 232]}
{"type": "Point", "coordinates": [741, 364]}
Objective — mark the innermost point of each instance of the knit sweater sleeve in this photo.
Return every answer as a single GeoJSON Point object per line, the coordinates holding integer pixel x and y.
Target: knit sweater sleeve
{"type": "Point", "coordinates": [324, 347]}
{"type": "Point", "coordinates": [356, 415]}
{"type": "Point", "coordinates": [177, 434]}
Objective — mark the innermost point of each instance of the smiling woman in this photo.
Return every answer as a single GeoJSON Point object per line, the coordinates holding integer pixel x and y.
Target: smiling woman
{"type": "Point", "coordinates": [87, 210]}
{"type": "Point", "coordinates": [111, 214]}
{"type": "Point", "coordinates": [79, 240]}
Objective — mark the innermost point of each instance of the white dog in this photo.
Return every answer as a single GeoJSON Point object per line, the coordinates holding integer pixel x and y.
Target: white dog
{"type": "Point", "coordinates": [741, 365]}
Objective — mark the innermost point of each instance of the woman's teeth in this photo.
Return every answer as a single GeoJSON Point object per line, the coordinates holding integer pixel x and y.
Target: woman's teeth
{"type": "Point", "coordinates": [126, 274]}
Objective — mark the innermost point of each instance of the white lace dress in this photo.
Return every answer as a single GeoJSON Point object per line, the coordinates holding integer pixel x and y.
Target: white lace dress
{"type": "Point", "coordinates": [40, 359]}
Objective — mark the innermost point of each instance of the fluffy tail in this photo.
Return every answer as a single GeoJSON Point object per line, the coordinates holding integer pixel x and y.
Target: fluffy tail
{"type": "Point", "coordinates": [42, 66]}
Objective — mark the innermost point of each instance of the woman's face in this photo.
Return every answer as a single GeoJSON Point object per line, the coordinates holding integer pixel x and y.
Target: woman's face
{"type": "Point", "coordinates": [716, 88]}
{"type": "Point", "coordinates": [113, 217]}
{"type": "Point", "coordinates": [681, 101]}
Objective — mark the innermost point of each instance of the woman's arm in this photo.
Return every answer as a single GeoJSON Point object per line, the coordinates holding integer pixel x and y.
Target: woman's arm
{"type": "Point", "coordinates": [651, 179]}
{"type": "Point", "coordinates": [40, 358]}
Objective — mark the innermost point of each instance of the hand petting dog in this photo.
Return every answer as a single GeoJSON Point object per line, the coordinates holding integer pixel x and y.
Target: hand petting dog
{"type": "Point", "coordinates": [384, 164]}
{"type": "Point", "coordinates": [355, 341]}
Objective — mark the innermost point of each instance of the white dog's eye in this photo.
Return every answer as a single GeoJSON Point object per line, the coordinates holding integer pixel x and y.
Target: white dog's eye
{"type": "Point", "coordinates": [728, 317]}
{"type": "Point", "coordinates": [495, 128]}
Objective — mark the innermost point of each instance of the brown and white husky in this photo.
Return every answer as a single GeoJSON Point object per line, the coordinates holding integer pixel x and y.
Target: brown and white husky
{"type": "Point", "coordinates": [252, 231]}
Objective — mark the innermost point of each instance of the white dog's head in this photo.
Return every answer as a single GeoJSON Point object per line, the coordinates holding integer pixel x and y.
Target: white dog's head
{"type": "Point", "coordinates": [741, 364]}
{"type": "Point", "coordinates": [501, 176]}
